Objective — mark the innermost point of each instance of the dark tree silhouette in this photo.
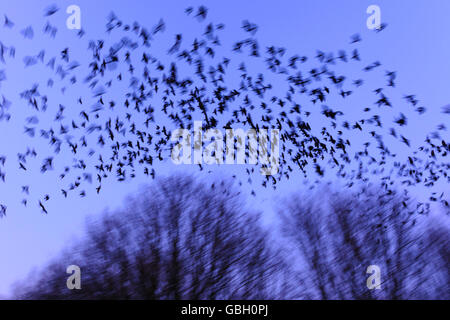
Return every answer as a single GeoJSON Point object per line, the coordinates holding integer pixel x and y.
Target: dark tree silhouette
{"type": "Point", "coordinates": [176, 240]}
{"type": "Point", "coordinates": [340, 235]}
{"type": "Point", "coordinates": [180, 239]}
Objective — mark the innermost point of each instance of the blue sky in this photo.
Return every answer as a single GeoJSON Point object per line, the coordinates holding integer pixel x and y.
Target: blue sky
{"type": "Point", "coordinates": [415, 44]}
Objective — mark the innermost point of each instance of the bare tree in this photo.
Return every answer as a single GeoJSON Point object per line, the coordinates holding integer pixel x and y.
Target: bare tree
{"type": "Point", "coordinates": [185, 239]}
{"type": "Point", "coordinates": [178, 239]}
{"type": "Point", "coordinates": [338, 235]}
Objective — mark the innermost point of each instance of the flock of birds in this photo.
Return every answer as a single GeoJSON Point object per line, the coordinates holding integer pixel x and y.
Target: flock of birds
{"type": "Point", "coordinates": [124, 127]}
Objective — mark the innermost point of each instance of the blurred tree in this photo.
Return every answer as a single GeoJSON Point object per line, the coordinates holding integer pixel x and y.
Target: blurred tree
{"type": "Point", "coordinates": [184, 239]}
{"type": "Point", "coordinates": [340, 235]}
{"type": "Point", "coordinates": [178, 239]}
